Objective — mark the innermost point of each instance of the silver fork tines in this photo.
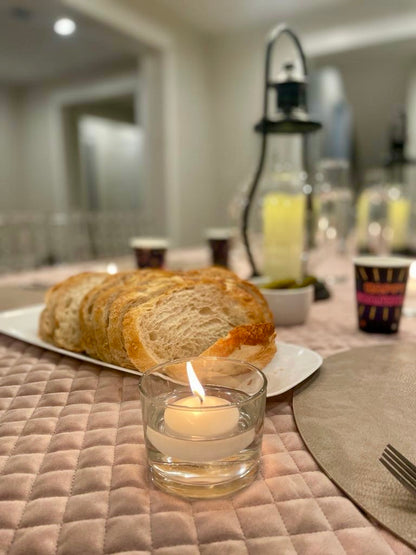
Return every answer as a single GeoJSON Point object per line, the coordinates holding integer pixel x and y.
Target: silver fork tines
{"type": "Point", "coordinates": [401, 468]}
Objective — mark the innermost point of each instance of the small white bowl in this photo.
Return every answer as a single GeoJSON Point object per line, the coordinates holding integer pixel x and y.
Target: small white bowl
{"type": "Point", "coordinates": [290, 307]}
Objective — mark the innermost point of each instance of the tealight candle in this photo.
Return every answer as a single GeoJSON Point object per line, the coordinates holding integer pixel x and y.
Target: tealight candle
{"type": "Point", "coordinates": [200, 422]}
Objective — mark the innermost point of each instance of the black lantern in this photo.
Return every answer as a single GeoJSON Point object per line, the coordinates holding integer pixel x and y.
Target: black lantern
{"type": "Point", "coordinates": [277, 233]}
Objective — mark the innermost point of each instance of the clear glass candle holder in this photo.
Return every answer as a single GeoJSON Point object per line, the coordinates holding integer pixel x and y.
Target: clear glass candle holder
{"type": "Point", "coordinates": [203, 444]}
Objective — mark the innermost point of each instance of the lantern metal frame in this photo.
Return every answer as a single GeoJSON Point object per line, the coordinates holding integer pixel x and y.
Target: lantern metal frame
{"type": "Point", "coordinates": [282, 125]}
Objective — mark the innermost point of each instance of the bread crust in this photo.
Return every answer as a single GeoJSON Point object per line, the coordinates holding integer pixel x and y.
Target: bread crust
{"type": "Point", "coordinates": [87, 306]}
{"type": "Point", "coordinates": [252, 343]}
{"type": "Point", "coordinates": [47, 318]}
{"type": "Point", "coordinates": [255, 343]}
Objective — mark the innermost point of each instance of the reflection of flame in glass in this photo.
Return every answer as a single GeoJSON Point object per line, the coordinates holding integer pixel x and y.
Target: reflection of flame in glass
{"type": "Point", "coordinates": [111, 268]}
{"type": "Point", "coordinates": [374, 229]}
{"type": "Point", "coordinates": [323, 224]}
{"type": "Point", "coordinates": [331, 233]}
{"type": "Point", "coordinates": [394, 193]}
{"type": "Point", "coordinates": [194, 383]}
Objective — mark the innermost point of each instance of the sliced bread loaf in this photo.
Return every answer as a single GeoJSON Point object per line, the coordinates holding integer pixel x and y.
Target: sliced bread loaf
{"type": "Point", "coordinates": [187, 321]}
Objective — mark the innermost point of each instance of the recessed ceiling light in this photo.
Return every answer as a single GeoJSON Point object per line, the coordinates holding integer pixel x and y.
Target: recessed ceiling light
{"type": "Point", "coordinates": [64, 26]}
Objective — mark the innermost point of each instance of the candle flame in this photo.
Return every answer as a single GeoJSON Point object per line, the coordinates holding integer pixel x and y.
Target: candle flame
{"type": "Point", "coordinates": [194, 383]}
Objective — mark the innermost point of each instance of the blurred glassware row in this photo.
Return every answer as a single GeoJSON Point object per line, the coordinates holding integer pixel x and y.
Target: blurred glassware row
{"type": "Point", "coordinates": [333, 204]}
{"type": "Point", "coordinates": [386, 212]}
{"type": "Point", "coordinates": [380, 219]}
{"type": "Point", "coordinates": [32, 239]}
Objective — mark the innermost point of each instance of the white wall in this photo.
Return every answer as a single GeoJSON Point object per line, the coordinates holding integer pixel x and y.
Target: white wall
{"type": "Point", "coordinates": [411, 112]}
{"type": "Point", "coordinates": [26, 146]}
{"type": "Point", "coordinates": [237, 76]}
{"type": "Point", "coordinates": [177, 62]}
{"type": "Point", "coordinates": [10, 160]}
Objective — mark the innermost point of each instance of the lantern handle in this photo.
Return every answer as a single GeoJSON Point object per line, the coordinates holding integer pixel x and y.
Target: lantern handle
{"type": "Point", "coordinates": [273, 36]}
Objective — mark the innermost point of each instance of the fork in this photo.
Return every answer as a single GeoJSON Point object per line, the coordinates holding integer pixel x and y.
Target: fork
{"type": "Point", "coordinates": [401, 468]}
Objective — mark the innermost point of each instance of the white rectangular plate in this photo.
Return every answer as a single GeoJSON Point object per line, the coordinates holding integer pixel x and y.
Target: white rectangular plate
{"type": "Point", "coordinates": [22, 324]}
{"type": "Point", "coordinates": [290, 366]}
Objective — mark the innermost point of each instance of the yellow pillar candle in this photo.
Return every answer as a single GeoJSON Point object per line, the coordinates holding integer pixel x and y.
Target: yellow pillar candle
{"type": "Point", "coordinates": [398, 216]}
{"type": "Point", "coordinates": [283, 235]}
{"type": "Point", "coordinates": [363, 207]}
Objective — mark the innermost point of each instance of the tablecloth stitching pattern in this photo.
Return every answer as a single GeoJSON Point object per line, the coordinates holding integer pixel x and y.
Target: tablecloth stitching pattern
{"type": "Point", "coordinates": [301, 474]}
{"type": "Point", "coordinates": [40, 466]}
{"type": "Point", "coordinates": [75, 470]}
{"type": "Point", "coordinates": [111, 480]}
{"type": "Point", "coordinates": [279, 512]}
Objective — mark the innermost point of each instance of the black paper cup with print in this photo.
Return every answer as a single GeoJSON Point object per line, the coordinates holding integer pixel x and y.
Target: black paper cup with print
{"type": "Point", "coordinates": [219, 241]}
{"type": "Point", "coordinates": [380, 290]}
{"type": "Point", "coordinates": [149, 252]}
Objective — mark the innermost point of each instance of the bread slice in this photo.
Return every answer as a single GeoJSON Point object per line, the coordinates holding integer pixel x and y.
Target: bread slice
{"type": "Point", "coordinates": [47, 321]}
{"type": "Point", "coordinates": [227, 276]}
{"type": "Point", "coordinates": [140, 280]}
{"type": "Point", "coordinates": [86, 310]}
{"type": "Point", "coordinates": [187, 321]}
{"type": "Point", "coordinates": [126, 300]}
{"type": "Point", "coordinates": [66, 332]}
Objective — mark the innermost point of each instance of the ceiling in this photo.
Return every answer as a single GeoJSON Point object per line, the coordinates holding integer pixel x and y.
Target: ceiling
{"type": "Point", "coordinates": [30, 51]}
{"type": "Point", "coordinates": [221, 16]}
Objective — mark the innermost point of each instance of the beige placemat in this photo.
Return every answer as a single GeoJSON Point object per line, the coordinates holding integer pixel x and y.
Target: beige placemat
{"type": "Point", "coordinates": [359, 401]}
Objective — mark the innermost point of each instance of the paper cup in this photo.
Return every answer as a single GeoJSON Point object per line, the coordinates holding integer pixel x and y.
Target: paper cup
{"type": "Point", "coordinates": [150, 252]}
{"type": "Point", "coordinates": [219, 240]}
{"type": "Point", "coordinates": [380, 289]}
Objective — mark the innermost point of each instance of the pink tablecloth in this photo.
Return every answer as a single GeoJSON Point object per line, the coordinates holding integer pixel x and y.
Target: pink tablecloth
{"type": "Point", "coordinates": [73, 476]}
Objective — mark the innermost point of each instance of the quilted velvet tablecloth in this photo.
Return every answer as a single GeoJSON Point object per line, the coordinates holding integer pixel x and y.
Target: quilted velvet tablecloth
{"type": "Point", "coordinates": [73, 476]}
